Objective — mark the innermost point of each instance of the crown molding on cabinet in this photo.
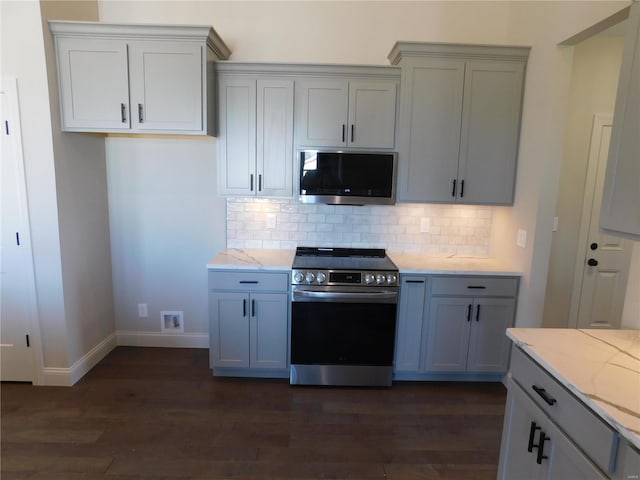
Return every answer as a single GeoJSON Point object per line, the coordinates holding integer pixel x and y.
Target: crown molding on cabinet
{"type": "Point", "coordinates": [144, 31]}
{"type": "Point", "coordinates": [378, 72]}
{"type": "Point", "coordinates": [452, 50]}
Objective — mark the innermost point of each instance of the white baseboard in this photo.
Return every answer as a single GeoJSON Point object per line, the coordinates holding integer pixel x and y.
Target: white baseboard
{"type": "Point", "coordinates": [156, 339]}
{"type": "Point", "coordinates": [66, 377]}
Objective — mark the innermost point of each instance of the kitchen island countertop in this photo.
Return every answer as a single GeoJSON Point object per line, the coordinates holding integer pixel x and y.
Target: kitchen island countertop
{"type": "Point", "coordinates": [600, 367]}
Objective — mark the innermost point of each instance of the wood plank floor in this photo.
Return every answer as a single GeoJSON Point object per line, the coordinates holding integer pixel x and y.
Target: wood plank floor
{"type": "Point", "coordinates": [155, 413]}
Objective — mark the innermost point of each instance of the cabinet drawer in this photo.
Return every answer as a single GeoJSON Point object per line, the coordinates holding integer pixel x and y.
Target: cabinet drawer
{"type": "Point", "coordinates": [591, 434]}
{"type": "Point", "coordinates": [249, 281]}
{"type": "Point", "coordinates": [476, 286]}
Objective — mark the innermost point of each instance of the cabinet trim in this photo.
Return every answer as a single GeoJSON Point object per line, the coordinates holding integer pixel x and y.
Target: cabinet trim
{"type": "Point", "coordinates": [302, 70]}
{"type": "Point", "coordinates": [452, 50]}
{"type": "Point", "coordinates": [142, 31]}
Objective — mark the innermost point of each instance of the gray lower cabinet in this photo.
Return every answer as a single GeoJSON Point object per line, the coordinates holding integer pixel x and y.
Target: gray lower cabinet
{"type": "Point", "coordinates": [459, 122]}
{"type": "Point", "coordinates": [249, 324]}
{"type": "Point", "coordinates": [411, 319]}
{"type": "Point", "coordinates": [468, 318]}
{"type": "Point", "coordinates": [454, 325]}
{"type": "Point", "coordinates": [628, 462]}
{"type": "Point", "coordinates": [548, 433]}
{"type": "Point", "coordinates": [468, 334]}
{"type": "Point", "coordinates": [534, 448]}
{"type": "Point", "coordinates": [255, 144]}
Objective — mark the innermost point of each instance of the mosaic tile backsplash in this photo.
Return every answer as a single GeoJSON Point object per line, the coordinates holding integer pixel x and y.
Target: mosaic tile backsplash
{"type": "Point", "coordinates": [410, 228]}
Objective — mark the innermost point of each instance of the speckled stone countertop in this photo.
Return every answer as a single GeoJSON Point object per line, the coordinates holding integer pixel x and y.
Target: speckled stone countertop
{"type": "Point", "coordinates": [454, 264]}
{"type": "Point", "coordinates": [252, 259]}
{"type": "Point", "coordinates": [265, 259]}
{"type": "Point", "coordinates": [600, 367]}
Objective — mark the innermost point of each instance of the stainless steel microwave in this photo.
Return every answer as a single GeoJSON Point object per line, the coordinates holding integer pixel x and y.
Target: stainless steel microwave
{"type": "Point", "coordinates": [348, 178]}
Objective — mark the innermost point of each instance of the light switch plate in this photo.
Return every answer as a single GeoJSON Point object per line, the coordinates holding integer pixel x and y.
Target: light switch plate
{"type": "Point", "coordinates": [521, 241]}
{"type": "Point", "coordinates": [425, 224]}
{"type": "Point", "coordinates": [271, 220]}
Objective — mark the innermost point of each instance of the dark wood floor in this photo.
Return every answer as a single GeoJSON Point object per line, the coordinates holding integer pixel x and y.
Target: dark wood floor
{"type": "Point", "coordinates": [154, 413]}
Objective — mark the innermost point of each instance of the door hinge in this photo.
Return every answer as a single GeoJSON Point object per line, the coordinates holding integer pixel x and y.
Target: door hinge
{"type": "Point", "coordinates": [28, 343]}
{"type": "Point", "coordinates": [18, 238]}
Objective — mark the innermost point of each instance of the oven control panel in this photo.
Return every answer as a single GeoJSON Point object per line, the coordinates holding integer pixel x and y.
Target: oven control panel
{"type": "Point", "coordinates": [344, 277]}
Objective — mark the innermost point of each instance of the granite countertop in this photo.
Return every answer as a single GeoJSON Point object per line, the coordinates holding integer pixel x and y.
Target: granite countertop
{"type": "Point", "coordinates": [252, 259]}
{"type": "Point", "coordinates": [453, 264]}
{"type": "Point", "coordinates": [265, 259]}
{"type": "Point", "coordinates": [600, 367]}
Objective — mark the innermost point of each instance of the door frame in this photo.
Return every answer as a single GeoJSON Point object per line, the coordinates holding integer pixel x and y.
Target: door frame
{"type": "Point", "coordinates": [600, 120]}
{"type": "Point", "coordinates": [9, 87]}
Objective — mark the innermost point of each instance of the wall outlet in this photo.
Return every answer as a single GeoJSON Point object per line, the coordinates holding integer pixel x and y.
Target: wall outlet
{"type": "Point", "coordinates": [521, 241]}
{"type": "Point", "coordinates": [142, 310]}
{"type": "Point", "coordinates": [555, 224]}
{"type": "Point", "coordinates": [171, 321]}
{"type": "Point", "coordinates": [425, 223]}
{"type": "Point", "coordinates": [271, 221]}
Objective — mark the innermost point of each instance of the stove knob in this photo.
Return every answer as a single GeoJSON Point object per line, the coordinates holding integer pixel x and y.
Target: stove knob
{"type": "Point", "coordinates": [380, 279]}
{"type": "Point", "coordinates": [391, 279]}
{"type": "Point", "coordinates": [321, 277]}
{"type": "Point", "coordinates": [310, 277]}
{"type": "Point", "coordinates": [368, 279]}
{"type": "Point", "coordinates": [298, 277]}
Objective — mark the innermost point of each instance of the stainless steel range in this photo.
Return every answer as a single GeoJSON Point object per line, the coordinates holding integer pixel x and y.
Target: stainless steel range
{"type": "Point", "coordinates": [343, 321]}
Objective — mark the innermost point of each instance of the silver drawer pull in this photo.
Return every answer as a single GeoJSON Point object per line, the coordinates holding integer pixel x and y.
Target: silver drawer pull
{"type": "Point", "coordinates": [543, 393]}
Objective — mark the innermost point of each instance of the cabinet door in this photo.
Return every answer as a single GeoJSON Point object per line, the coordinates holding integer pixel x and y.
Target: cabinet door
{"type": "Point", "coordinates": [410, 324]}
{"type": "Point", "coordinates": [274, 138]}
{"type": "Point", "coordinates": [488, 342]}
{"type": "Point", "coordinates": [323, 113]}
{"type": "Point", "coordinates": [269, 330]}
{"type": "Point", "coordinates": [94, 87]}
{"type": "Point", "coordinates": [621, 196]}
{"type": "Point", "coordinates": [564, 460]}
{"type": "Point", "coordinates": [229, 333]}
{"type": "Point", "coordinates": [166, 86]}
{"type": "Point", "coordinates": [372, 114]}
{"type": "Point", "coordinates": [448, 334]}
{"type": "Point", "coordinates": [237, 140]}
{"type": "Point", "coordinates": [523, 425]}
{"type": "Point", "coordinates": [490, 132]}
{"type": "Point", "coordinates": [430, 129]}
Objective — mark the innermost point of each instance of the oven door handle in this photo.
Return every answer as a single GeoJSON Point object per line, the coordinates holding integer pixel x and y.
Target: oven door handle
{"type": "Point", "coordinates": [350, 297]}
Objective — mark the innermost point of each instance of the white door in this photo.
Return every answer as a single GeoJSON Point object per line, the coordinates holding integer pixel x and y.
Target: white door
{"type": "Point", "coordinates": [323, 113]}
{"type": "Point", "coordinates": [603, 260]}
{"type": "Point", "coordinates": [372, 114]}
{"type": "Point", "coordinates": [16, 263]}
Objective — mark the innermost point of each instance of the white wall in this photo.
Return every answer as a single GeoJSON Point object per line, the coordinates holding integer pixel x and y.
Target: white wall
{"type": "Point", "coordinates": [364, 32]}
{"type": "Point", "coordinates": [594, 82]}
{"type": "Point", "coordinates": [81, 185]}
{"type": "Point", "coordinates": [166, 223]}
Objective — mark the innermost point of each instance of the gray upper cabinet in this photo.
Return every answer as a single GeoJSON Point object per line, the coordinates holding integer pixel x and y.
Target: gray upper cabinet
{"type": "Point", "coordinates": [620, 213]}
{"type": "Point", "coordinates": [116, 78]}
{"type": "Point", "coordinates": [255, 144]}
{"type": "Point", "coordinates": [358, 113]}
{"type": "Point", "coordinates": [459, 122]}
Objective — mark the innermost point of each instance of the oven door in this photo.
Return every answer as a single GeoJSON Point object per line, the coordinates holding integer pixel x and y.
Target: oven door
{"type": "Point", "coordinates": [343, 338]}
